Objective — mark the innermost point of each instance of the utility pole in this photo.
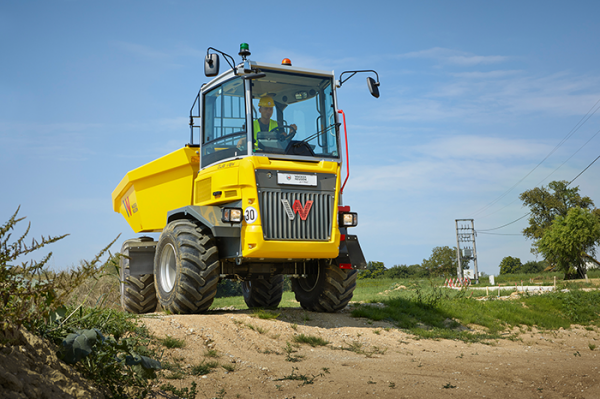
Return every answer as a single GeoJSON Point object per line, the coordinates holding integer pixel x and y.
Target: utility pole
{"type": "Point", "coordinates": [465, 233]}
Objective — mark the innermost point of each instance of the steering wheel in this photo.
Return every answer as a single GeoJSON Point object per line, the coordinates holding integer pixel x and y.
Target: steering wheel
{"type": "Point", "coordinates": [281, 132]}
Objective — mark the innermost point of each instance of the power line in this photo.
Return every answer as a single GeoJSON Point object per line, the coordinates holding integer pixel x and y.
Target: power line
{"type": "Point", "coordinates": [514, 221]}
{"type": "Point", "coordinates": [586, 168]}
{"type": "Point", "coordinates": [498, 234]}
{"type": "Point", "coordinates": [545, 178]}
{"type": "Point", "coordinates": [581, 122]}
{"type": "Point", "coordinates": [507, 224]}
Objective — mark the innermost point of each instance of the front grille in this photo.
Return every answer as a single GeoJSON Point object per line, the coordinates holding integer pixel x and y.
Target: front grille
{"type": "Point", "coordinates": [276, 222]}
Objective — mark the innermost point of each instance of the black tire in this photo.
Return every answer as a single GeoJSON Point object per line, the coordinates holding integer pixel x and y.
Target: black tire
{"type": "Point", "coordinates": [329, 290]}
{"type": "Point", "coordinates": [138, 294]}
{"type": "Point", "coordinates": [186, 267]}
{"type": "Point", "coordinates": [263, 293]}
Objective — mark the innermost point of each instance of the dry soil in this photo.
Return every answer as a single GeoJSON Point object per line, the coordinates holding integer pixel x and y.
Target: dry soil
{"type": "Point", "coordinates": [372, 359]}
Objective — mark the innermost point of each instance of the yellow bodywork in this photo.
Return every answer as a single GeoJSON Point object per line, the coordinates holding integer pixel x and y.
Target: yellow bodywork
{"type": "Point", "coordinates": [146, 194]}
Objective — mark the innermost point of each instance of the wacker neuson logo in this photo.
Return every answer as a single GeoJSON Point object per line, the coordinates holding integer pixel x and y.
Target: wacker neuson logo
{"type": "Point", "coordinates": [297, 208]}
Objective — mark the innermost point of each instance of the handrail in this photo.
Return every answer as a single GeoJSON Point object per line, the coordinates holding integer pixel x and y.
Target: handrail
{"type": "Point", "coordinates": [347, 159]}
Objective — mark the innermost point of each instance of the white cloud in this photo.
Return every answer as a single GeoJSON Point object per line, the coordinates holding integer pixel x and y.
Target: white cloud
{"type": "Point", "coordinates": [455, 57]}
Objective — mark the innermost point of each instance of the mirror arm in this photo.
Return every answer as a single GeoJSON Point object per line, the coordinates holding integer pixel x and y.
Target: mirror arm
{"type": "Point", "coordinates": [225, 55]}
{"type": "Point", "coordinates": [342, 81]}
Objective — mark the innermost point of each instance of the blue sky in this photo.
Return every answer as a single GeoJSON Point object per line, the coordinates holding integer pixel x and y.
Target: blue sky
{"type": "Point", "coordinates": [473, 96]}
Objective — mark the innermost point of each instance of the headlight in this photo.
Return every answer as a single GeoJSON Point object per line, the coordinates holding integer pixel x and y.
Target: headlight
{"type": "Point", "coordinates": [231, 215]}
{"type": "Point", "coordinates": [348, 219]}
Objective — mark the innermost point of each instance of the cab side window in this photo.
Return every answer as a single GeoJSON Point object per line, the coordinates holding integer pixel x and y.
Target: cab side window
{"type": "Point", "coordinates": [223, 122]}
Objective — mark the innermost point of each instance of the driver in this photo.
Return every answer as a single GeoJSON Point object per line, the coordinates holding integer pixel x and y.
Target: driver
{"type": "Point", "coordinates": [265, 123]}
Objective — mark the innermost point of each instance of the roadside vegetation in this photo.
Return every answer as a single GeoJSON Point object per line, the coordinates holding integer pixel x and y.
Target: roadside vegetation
{"type": "Point", "coordinates": [79, 311]}
{"type": "Point", "coordinates": [109, 347]}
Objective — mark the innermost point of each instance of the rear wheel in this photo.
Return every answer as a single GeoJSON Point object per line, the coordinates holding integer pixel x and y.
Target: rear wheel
{"type": "Point", "coordinates": [263, 293]}
{"type": "Point", "coordinates": [328, 290]}
{"type": "Point", "coordinates": [186, 267]}
{"type": "Point", "coordinates": [138, 294]}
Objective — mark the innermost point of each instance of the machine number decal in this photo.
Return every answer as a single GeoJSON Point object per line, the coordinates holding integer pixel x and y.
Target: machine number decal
{"type": "Point", "coordinates": [250, 215]}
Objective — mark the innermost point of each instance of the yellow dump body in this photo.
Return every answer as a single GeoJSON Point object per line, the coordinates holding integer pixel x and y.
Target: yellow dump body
{"type": "Point", "coordinates": [146, 194]}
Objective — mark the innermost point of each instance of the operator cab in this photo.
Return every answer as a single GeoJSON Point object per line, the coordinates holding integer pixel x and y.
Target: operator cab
{"type": "Point", "coordinates": [298, 108]}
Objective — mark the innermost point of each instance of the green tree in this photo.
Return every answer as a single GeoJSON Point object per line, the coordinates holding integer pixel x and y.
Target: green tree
{"type": "Point", "coordinates": [546, 204]}
{"type": "Point", "coordinates": [373, 270]}
{"type": "Point", "coordinates": [510, 265]}
{"type": "Point", "coordinates": [442, 262]}
{"type": "Point", "coordinates": [403, 271]}
{"type": "Point", "coordinates": [571, 239]}
{"type": "Point", "coordinates": [533, 266]}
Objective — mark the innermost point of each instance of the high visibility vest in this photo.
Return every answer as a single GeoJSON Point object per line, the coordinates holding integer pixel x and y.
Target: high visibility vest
{"type": "Point", "coordinates": [272, 125]}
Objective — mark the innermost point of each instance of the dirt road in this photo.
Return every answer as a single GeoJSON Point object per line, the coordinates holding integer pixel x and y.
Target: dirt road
{"type": "Point", "coordinates": [261, 359]}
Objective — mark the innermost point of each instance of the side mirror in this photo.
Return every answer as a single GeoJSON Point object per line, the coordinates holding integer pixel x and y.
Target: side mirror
{"type": "Point", "coordinates": [373, 87]}
{"type": "Point", "coordinates": [211, 65]}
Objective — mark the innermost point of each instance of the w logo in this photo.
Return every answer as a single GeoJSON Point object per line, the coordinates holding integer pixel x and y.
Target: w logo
{"type": "Point", "coordinates": [297, 208]}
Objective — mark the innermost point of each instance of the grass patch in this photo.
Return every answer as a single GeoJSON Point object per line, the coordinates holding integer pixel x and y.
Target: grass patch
{"type": "Point", "coordinates": [204, 368]}
{"type": "Point", "coordinates": [265, 314]}
{"type": "Point", "coordinates": [229, 367]}
{"type": "Point", "coordinates": [258, 329]}
{"type": "Point", "coordinates": [429, 312]}
{"type": "Point", "coordinates": [311, 340]}
{"type": "Point", "coordinates": [212, 353]}
{"type": "Point", "coordinates": [171, 343]}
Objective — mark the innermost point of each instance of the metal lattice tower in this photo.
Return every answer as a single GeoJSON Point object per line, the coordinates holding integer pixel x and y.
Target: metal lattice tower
{"type": "Point", "coordinates": [465, 233]}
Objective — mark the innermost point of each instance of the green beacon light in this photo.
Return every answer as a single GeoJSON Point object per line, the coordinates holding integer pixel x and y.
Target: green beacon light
{"type": "Point", "coordinates": [244, 51]}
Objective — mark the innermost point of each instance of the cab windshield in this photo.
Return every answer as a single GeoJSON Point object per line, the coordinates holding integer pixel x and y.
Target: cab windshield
{"type": "Point", "coordinates": [293, 114]}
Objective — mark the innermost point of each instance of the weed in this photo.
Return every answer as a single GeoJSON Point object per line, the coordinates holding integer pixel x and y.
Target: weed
{"type": "Point", "coordinates": [306, 317]}
{"type": "Point", "coordinates": [172, 343]}
{"type": "Point", "coordinates": [289, 353]}
{"type": "Point", "coordinates": [177, 375]}
{"type": "Point", "coordinates": [212, 353]}
{"type": "Point", "coordinates": [449, 386]}
{"type": "Point", "coordinates": [229, 367]}
{"type": "Point", "coordinates": [377, 332]}
{"type": "Point", "coordinates": [577, 354]}
{"type": "Point", "coordinates": [371, 382]}
{"type": "Point", "coordinates": [305, 379]}
{"type": "Point", "coordinates": [89, 338]}
{"type": "Point", "coordinates": [204, 368]}
{"type": "Point", "coordinates": [184, 393]}
{"type": "Point", "coordinates": [392, 385]}
{"type": "Point", "coordinates": [325, 370]}
{"type": "Point", "coordinates": [592, 346]}
{"type": "Point", "coordinates": [265, 314]}
{"type": "Point", "coordinates": [310, 340]}
{"type": "Point", "coordinates": [294, 326]}
{"type": "Point", "coordinates": [220, 394]}
{"type": "Point", "coordinates": [258, 329]}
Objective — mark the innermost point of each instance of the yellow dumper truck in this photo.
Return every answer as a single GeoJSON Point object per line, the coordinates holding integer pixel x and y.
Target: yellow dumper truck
{"type": "Point", "coordinates": [254, 196]}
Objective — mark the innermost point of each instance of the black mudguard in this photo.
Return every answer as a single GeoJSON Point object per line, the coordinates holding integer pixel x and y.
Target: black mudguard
{"type": "Point", "coordinates": [350, 252]}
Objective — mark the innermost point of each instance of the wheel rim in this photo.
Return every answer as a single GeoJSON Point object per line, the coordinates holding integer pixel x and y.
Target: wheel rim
{"type": "Point", "coordinates": [168, 268]}
{"type": "Point", "coordinates": [310, 282]}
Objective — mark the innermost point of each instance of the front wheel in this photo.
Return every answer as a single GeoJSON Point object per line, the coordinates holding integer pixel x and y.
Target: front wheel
{"type": "Point", "coordinates": [263, 293]}
{"type": "Point", "coordinates": [186, 267]}
{"type": "Point", "coordinates": [329, 290]}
